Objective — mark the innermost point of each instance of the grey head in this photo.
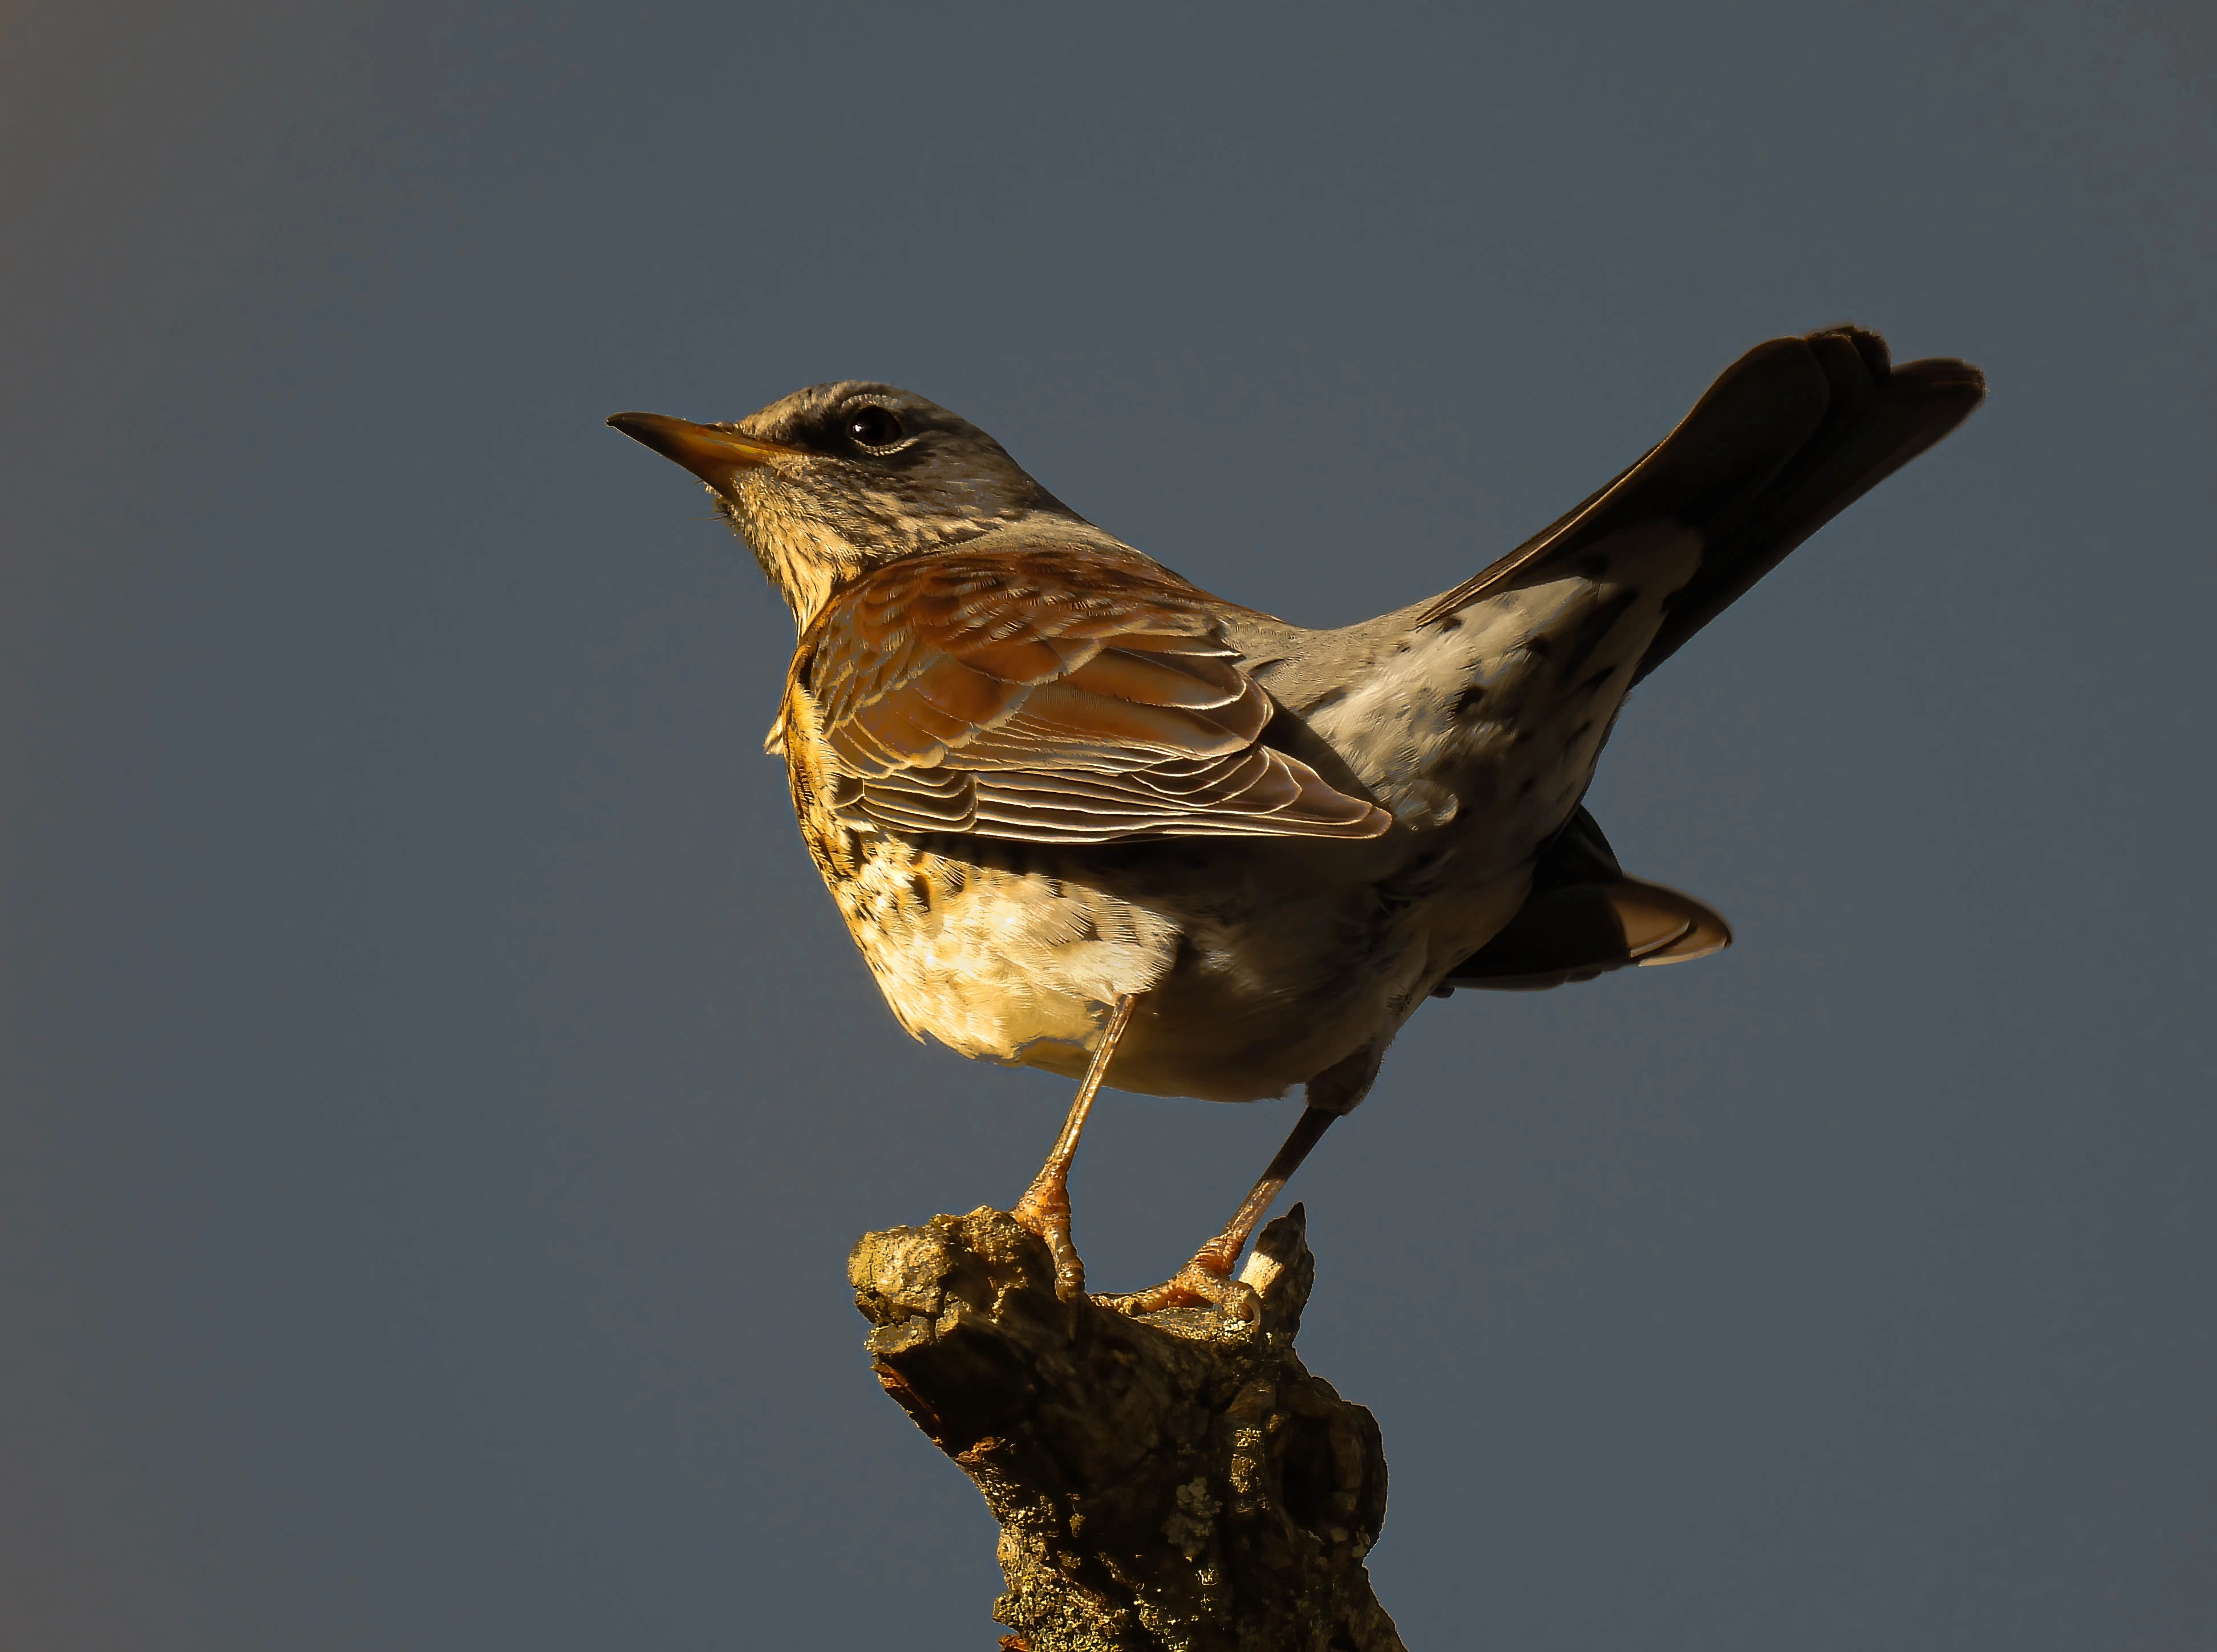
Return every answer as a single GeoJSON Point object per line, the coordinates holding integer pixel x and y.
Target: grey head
{"type": "Point", "coordinates": [838, 479]}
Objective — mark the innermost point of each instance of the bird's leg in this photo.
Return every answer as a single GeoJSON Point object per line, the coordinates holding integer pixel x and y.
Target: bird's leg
{"type": "Point", "coordinates": [1207, 1279]}
{"type": "Point", "coordinates": [1045, 1208]}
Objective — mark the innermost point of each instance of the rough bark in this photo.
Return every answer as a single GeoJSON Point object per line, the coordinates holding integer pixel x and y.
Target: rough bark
{"type": "Point", "coordinates": [1174, 1482]}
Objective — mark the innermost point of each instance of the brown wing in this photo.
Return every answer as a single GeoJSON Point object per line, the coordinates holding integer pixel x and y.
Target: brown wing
{"type": "Point", "coordinates": [1046, 697]}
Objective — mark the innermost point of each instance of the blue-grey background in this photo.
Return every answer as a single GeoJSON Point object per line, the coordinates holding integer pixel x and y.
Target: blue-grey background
{"type": "Point", "coordinates": [440, 1097]}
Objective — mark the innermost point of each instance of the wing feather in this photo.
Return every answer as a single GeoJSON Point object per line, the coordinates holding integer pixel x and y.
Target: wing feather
{"type": "Point", "coordinates": [1033, 695]}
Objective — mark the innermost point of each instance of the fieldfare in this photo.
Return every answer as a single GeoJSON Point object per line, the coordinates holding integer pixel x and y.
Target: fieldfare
{"type": "Point", "coordinates": [1080, 814]}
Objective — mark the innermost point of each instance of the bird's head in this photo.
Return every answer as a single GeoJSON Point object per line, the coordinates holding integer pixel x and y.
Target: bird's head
{"type": "Point", "coordinates": [839, 479]}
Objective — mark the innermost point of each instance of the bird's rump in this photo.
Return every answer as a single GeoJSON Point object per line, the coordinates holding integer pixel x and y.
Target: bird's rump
{"type": "Point", "coordinates": [1011, 694]}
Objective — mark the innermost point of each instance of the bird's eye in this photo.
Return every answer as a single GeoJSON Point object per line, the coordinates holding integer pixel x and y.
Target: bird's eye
{"type": "Point", "coordinates": [872, 426]}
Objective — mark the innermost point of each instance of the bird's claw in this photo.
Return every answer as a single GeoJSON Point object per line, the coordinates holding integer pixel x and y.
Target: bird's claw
{"type": "Point", "coordinates": [1069, 1266]}
{"type": "Point", "coordinates": [1204, 1282]}
{"type": "Point", "coordinates": [1052, 1224]}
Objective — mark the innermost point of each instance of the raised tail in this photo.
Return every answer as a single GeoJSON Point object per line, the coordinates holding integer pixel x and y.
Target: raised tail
{"type": "Point", "coordinates": [1792, 433]}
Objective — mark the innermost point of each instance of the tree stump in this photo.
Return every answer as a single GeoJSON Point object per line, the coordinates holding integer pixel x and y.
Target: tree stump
{"type": "Point", "coordinates": [1174, 1482]}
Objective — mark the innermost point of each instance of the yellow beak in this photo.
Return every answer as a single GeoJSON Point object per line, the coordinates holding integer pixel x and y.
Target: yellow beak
{"type": "Point", "coordinates": [709, 451]}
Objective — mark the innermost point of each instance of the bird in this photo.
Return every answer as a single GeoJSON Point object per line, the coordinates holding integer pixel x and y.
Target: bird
{"type": "Point", "coordinates": [1082, 815]}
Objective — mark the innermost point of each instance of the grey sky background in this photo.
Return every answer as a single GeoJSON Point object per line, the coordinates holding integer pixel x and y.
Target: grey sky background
{"type": "Point", "coordinates": [439, 1096]}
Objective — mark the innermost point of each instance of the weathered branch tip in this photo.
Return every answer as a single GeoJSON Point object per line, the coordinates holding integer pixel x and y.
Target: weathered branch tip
{"type": "Point", "coordinates": [1169, 1482]}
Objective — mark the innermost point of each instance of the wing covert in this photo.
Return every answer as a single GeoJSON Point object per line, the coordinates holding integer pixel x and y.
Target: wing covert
{"type": "Point", "coordinates": [1023, 696]}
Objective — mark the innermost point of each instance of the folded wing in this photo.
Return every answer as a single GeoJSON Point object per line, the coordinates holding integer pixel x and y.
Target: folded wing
{"type": "Point", "coordinates": [1039, 697]}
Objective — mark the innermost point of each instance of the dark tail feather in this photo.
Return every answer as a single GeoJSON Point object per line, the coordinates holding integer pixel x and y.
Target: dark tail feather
{"type": "Point", "coordinates": [1877, 421]}
{"type": "Point", "coordinates": [1792, 433]}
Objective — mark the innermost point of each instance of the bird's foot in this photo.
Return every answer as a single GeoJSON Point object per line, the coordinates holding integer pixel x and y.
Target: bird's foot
{"type": "Point", "coordinates": [1048, 1215]}
{"type": "Point", "coordinates": [1204, 1282]}
{"type": "Point", "coordinates": [1045, 1208]}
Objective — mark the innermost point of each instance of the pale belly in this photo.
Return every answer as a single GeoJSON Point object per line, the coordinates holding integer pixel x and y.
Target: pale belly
{"type": "Point", "coordinates": [1257, 966]}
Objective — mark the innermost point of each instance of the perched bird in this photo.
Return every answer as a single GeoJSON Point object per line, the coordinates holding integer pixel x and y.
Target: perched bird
{"type": "Point", "coordinates": [1080, 814]}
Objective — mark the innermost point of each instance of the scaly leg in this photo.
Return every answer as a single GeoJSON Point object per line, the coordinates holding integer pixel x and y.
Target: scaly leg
{"type": "Point", "coordinates": [1045, 1208]}
{"type": "Point", "coordinates": [1207, 1278]}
